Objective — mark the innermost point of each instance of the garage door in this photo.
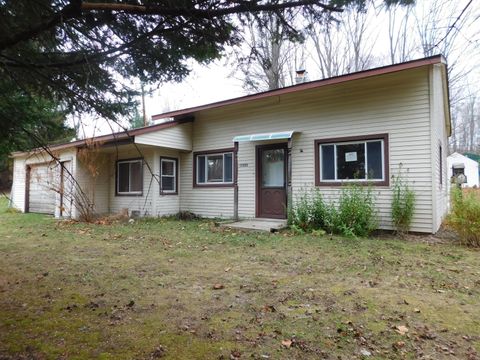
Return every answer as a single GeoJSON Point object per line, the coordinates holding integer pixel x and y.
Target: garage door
{"type": "Point", "coordinates": [66, 189]}
{"type": "Point", "coordinates": [41, 192]}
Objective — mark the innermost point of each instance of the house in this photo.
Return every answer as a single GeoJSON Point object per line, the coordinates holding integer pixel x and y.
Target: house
{"type": "Point", "coordinates": [461, 164]}
{"type": "Point", "coordinates": [248, 157]}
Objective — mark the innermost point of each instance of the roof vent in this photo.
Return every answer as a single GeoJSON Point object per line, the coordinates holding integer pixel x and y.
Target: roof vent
{"type": "Point", "coordinates": [300, 76]}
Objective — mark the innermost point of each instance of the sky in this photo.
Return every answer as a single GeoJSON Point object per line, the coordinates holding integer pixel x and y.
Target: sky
{"type": "Point", "coordinates": [217, 81]}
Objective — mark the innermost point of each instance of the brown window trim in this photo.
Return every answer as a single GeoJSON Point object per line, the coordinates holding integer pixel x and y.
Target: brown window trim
{"type": "Point", "coordinates": [215, 151]}
{"type": "Point", "coordinates": [116, 176]}
{"type": "Point", "coordinates": [384, 137]}
{"type": "Point", "coordinates": [162, 193]}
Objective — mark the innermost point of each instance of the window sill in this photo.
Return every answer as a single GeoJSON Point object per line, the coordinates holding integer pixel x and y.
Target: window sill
{"type": "Point", "coordinates": [213, 185]}
{"type": "Point", "coordinates": [129, 194]}
{"type": "Point", "coordinates": [163, 193]}
{"type": "Point", "coordinates": [384, 183]}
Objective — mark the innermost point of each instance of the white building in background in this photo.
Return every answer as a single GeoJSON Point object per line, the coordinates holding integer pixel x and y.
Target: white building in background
{"type": "Point", "coordinates": [470, 168]}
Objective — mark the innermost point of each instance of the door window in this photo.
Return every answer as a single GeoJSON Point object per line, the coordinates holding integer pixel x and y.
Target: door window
{"type": "Point", "coordinates": [273, 168]}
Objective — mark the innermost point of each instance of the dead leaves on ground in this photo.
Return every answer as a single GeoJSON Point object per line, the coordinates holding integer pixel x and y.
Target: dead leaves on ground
{"type": "Point", "coordinates": [401, 329]}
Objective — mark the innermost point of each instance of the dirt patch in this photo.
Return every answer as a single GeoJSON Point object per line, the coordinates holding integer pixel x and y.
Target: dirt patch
{"type": "Point", "coordinates": [443, 236]}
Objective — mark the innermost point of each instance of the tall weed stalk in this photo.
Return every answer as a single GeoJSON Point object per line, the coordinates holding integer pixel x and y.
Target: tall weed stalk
{"type": "Point", "coordinates": [403, 204]}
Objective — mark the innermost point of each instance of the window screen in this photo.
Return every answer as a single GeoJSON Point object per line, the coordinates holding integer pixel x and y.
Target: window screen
{"type": "Point", "coordinates": [129, 177]}
{"type": "Point", "coordinates": [375, 162]}
{"type": "Point", "coordinates": [328, 162]}
{"type": "Point", "coordinates": [123, 177]}
{"type": "Point", "coordinates": [214, 168]}
{"type": "Point", "coordinates": [350, 161]}
{"type": "Point", "coordinates": [228, 167]}
{"type": "Point", "coordinates": [201, 169]}
{"type": "Point", "coordinates": [168, 175]}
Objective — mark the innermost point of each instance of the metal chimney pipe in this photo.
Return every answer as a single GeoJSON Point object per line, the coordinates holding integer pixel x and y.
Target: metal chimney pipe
{"type": "Point", "coordinates": [300, 76]}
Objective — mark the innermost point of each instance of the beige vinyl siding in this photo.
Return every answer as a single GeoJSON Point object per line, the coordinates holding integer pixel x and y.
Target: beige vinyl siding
{"type": "Point", "coordinates": [397, 104]}
{"type": "Point", "coordinates": [93, 188]}
{"type": "Point", "coordinates": [439, 137]}
{"type": "Point", "coordinates": [208, 202]}
{"type": "Point", "coordinates": [177, 137]}
{"type": "Point", "coordinates": [151, 203]}
{"type": "Point", "coordinates": [167, 204]}
{"type": "Point", "coordinates": [142, 204]}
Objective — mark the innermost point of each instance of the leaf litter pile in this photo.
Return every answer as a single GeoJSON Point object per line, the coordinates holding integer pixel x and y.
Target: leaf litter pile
{"type": "Point", "coordinates": [174, 289]}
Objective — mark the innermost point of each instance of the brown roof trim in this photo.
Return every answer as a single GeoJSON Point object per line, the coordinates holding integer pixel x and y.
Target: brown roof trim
{"type": "Point", "coordinates": [309, 85]}
{"type": "Point", "coordinates": [114, 137]}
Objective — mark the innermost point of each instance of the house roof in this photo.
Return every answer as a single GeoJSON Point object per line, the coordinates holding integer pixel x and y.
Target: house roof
{"type": "Point", "coordinates": [114, 137]}
{"type": "Point", "coordinates": [472, 156]}
{"type": "Point", "coordinates": [186, 115]}
{"type": "Point", "coordinates": [466, 158]}
{"type": "Point", "coordinates": [437, 59]}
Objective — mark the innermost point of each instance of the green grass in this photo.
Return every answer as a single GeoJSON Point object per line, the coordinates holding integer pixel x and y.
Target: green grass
{"type": "Point", "coordinates": [65, 291]}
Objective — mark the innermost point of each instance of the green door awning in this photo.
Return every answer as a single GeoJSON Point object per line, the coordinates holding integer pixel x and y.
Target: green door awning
{"type": "Point", "coordinates": [266, 136]}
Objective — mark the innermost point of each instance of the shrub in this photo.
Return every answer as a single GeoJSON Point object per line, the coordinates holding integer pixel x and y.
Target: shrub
{"type": "Point", "coordinates": [186, 215]}
{"type": "Point", "coordinates": [299, 216]}
{"type": "Point", "coordinates": [319, 211]}
{"type": "Point", "coordinates": [403, 204]}
{"type": "Point", "coordinates": [464, 217]}
{"type": "Point", "coordinates": [354, 215]}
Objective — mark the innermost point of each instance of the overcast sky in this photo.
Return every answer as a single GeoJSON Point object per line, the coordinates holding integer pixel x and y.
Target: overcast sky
{"type": "Point", "coordinates": [215, 82]}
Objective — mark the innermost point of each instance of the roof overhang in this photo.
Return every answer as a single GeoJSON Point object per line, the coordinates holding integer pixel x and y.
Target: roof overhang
{"type": "Point", "coordinates": [119, 138]}
{"type": "Point", "coordinates": [264, 136]}
{"type": "Point", "coordinates": [446, 100]}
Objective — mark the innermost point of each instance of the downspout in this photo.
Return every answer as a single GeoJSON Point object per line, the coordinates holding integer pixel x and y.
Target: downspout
{"type": "Point", "coordinates": [289, 176]}
{"type": "Point", "coordinates": [235, 181]}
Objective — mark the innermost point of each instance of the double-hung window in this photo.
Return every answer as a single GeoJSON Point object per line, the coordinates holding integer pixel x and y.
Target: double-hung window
{"type": "Point", "coordinates": [214, 168]}
{"type": "Point", "coordinates": [358, 159]}
{"type": "Point", "coordinates": [129, 177]}
{"type": "Point", "coordinates": [168, 175]}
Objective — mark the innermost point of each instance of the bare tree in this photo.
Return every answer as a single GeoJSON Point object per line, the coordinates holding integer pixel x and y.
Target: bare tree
{"type": "Point", "coordinates": [268, 45]}
{"type": "Point", "coordinates": [439, 25]}
{"type": "Point", "coordinates": [343, 43]}
{"type": "Point", "coordinates": [330, 56]}
{"type": "Point", "coordinates": [399, 21]}
{"type": "Point", "coordinates": [360, 39]}
{"type": "Point", "coordinates": [468, 113]}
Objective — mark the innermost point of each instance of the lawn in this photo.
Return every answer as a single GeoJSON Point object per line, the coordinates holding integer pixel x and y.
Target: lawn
{"type": "Point", "coordinates": [189, 290]}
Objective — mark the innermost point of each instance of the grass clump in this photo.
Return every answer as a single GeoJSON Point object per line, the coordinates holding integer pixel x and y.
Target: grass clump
{"type": "Point", "coordinates": [464, 217]}
{"type": "Point", "coordinates": [403, 204]}
{"type": "Point", "coordinates": [353, 216]}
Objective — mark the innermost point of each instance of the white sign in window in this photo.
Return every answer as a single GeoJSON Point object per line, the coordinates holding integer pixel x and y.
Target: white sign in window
{"type": "Point", "coordinates": [351, 156]}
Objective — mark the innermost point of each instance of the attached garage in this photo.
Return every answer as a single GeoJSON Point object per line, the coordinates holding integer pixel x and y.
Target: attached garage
{"type": "Point", "coordinates": [40, 194]}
